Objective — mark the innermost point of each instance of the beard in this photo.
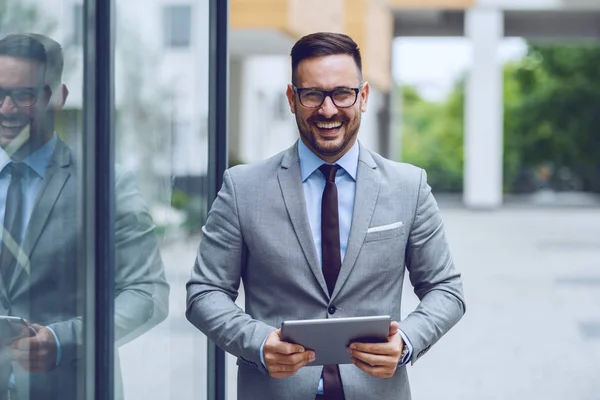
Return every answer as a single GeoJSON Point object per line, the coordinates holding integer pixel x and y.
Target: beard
{"type": "Point", "coordinates": [12, 128]}
{"type": "Point", "coordinates": [328, 146]}
{"type": "Point", "coordinates": [22, 134]}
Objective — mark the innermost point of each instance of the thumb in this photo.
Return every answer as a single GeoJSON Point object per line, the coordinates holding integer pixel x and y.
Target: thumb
{"type": "Point", "coordinates": [393, 328]}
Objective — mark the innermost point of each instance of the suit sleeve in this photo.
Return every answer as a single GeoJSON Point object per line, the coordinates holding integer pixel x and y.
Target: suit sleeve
{"type": "Point", "coordinates": [436, 281]}
{"type": "Point", "coordinates": [141, 290]}
{"type": "Point", "coordinates": [214, 283]}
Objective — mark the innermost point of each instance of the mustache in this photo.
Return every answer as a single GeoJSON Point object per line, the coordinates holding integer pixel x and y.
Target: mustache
{"type": "Point", "coordinates": [15, 119]}
{"type": "Point", "coordinates": [315, 120]}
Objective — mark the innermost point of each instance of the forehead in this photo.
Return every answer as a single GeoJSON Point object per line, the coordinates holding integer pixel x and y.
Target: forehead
{"type": "Point", "coordinates": [328, 72]}
{"type": "Point", "coordinates": [19, 72]}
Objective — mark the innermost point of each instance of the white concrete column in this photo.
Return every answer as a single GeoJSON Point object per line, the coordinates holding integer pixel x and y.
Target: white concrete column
{"type": "Point", "coordinates": [484, 110]}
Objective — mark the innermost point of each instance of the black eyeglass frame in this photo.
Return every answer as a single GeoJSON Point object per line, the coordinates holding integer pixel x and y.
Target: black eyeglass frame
{"type": "Point", "coordinates": [4, 93]}
{"type": "Point", "coordinates": [328, 93]}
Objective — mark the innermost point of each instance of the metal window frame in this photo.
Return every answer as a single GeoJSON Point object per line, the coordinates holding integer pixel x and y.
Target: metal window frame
{"type": "Point", "coordinates": [98, 197]}
{"type": "Point", "coordinates": [217, 154]}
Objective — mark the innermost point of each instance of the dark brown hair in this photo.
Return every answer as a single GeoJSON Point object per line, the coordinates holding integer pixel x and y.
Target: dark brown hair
{"type": "Point", "coordinates": [324, 44]}
{"type": "Point", "coordinates": [39, 48]}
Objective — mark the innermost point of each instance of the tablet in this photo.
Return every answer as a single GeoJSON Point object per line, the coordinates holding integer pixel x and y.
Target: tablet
{"type": "Point", "coordinates": [330, 338]}
{"type": "Point", "coordinates": [12, 327]}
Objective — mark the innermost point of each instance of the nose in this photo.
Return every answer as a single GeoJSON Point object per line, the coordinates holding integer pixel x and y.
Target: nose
{"type": "Point", "coordinates": [328, 109]}
{"type": "Point", "coordinates": [7, 106]}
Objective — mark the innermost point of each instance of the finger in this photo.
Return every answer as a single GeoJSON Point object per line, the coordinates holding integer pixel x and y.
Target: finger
{"type": "Point", "coordinates": [34, 329]}
{"type": "Point", "coordinates": [385, 349]}
{"type": "Point", "coordinates": [285, 370]}
{"type": "Point", "coordinates": [283, 348]}
{"type": "Point", "coordinates": [376, 371]}
{"type": "Point", "coordinates": [29, 344]}
{"type": "Point", "coordinates": [373, 359]}
{"type": "Point", "coordinates": [292, 359]}
{"type": "Point", "coordinates": [276, 345]}
{"type": "Point", "coordinates": [393, 328]}
{"type": "Point", "coordinates": [308, 357]}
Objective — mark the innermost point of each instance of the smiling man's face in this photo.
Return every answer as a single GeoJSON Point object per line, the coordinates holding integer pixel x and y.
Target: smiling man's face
{"type": "Point", "coordinates": [329, 131]}
{"type": "Point", "coordinates": [23, 78]}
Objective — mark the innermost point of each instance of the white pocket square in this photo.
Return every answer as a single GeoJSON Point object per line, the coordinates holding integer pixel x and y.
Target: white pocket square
{"type": "Point", "coordinates": [385, 227]}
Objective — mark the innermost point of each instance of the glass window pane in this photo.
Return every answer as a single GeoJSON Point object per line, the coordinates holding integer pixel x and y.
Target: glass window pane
{"type": "Point", "coordinates": [42, 270]}
{"type": "Point", "coordinates": [77, 24]}
{"type": "Point", "coordinates": [161, 145]}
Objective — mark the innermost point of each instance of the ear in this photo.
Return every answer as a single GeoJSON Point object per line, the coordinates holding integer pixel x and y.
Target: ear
{"type": "Point", "coordinates": [291, 96]}
{"type": "Point", "coordinates": [364, 97]}
{"type": "Point", "coordinates": [60, 97]}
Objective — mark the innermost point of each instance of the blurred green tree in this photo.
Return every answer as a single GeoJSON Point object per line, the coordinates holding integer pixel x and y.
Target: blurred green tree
{"type": "Point", "coordinates": [432, 137]}
{"type": "Point", "coordinates": [551, 116]}
{"type": "Point", "coordinates": [552, 113]}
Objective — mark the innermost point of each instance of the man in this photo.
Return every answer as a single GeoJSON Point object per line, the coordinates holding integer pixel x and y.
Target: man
{"type": "Point", "coordinates": [41, 277]}
{"type": "Point", "coordinates": [324, 229]}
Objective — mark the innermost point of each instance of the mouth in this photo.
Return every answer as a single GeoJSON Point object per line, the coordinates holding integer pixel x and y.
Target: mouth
{"type": "Point", "coordinates": [13, 126]}
{"type": "Point", "coordinates": [329, 128]}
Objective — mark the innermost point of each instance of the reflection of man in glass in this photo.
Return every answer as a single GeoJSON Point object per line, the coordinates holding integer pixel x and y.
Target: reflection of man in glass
{"type": "Point", "coordinates": [40, 271]}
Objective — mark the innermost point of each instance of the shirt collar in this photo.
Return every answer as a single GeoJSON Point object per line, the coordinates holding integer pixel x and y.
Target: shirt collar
{"type": "Point", "coordinates": [309, 161]}
{"type": "Point", "coordinates": [38, 160]}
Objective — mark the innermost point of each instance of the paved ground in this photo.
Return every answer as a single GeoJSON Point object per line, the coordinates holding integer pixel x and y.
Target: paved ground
{"type": "Point", "coordinates": [532, 328]}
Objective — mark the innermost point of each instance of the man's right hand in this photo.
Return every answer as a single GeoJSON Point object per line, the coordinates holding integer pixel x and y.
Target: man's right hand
{"type": "Point", "coordinates": [284, 359]}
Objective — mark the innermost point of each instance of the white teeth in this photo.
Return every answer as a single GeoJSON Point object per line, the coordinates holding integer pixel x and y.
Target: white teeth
{"type": "Point", "coordinates": [329, 125]}
{"type": "Point", "coordinates": [9, 124]}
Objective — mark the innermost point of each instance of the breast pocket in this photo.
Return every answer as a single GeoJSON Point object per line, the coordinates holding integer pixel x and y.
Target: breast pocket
{"type": "Point", "coordinates": [383, 232]}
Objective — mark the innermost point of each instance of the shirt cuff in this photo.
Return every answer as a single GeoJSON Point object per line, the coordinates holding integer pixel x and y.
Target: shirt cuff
{"type": "Point", "coordinates": [58, 348]}
{"type": "Point", "coordinates": [262, 352]}
{"type": "Point", "coordinates": [409, 345]}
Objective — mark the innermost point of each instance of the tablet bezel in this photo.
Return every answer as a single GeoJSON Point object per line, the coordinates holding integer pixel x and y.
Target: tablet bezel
{"type": "Point", "coordinates": [329, 338]}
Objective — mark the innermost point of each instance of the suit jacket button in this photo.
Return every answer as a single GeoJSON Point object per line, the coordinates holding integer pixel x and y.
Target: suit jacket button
{"type": "Point", "coordinates": [331, 310]}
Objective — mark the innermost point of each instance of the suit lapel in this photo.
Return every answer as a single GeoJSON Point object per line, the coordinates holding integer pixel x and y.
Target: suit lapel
{"type": "Point", "coordinates": [368, 181]}
{"type": "Point", "coordinates": [290, 182]}
{"type": "Point", "coordinates": [56, 176]}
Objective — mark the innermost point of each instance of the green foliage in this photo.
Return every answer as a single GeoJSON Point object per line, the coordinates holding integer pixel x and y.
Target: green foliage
{"type": "Point", "coordinates": [432, 137]}
{"type": "Point", "coordinates": [551, 117]}
{"type": "Point", "coordinates": [551, 113]}
{"type": "Point", "coordinates": [193, 207]}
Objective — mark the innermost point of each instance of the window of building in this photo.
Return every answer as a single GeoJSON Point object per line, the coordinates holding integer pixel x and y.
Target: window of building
{"type": "Point", "coordinates": [178, 25]}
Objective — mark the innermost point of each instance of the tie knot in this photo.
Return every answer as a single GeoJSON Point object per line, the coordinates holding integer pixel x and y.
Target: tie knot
{"type": "Point", "coordinates": [329, 171]}
{"type": "Point", "coordinates": [17, 169]}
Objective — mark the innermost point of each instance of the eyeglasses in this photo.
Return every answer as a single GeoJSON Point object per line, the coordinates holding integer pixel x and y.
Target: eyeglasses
{"type": "Point", "coordinates": [341, 97]}
{"type": "Point", "coordinates": [25, 97]}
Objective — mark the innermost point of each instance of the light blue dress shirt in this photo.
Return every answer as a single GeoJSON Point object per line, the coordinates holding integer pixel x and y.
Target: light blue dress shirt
{"type": "Point", "coordinates": [38, 163]}
{"type": "Point", "coordinates": [313, 183]}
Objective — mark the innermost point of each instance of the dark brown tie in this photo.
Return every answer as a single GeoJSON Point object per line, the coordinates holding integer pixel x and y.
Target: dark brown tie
{"type": "Point", "coordinates": [13, 222]}
{"type": "Point", "coordinates": [331, 264]}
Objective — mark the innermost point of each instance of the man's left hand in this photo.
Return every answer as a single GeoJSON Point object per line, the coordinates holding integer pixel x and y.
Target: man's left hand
{"type": "Point", "coordinates": [379, 359]}
{"type": "Point", "coordinates": [35, 353]}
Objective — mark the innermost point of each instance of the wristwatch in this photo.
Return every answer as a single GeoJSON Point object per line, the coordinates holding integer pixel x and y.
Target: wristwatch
{"type": "Point", "coordinates": [404, 353]}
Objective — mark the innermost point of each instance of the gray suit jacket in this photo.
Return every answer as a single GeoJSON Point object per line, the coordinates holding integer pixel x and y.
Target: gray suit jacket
{"type": "Point", "coordinates": [258, 230]}
{"type": "Point", "coordinates": [50, 290]}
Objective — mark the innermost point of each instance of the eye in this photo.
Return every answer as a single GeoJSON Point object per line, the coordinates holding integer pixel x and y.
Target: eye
{"type": "Point", "coordinates": [312, 94]}
{"type": "Point", "coordinates": [343, 94]}
{"type": "Point", "coordinates": [24, 96]}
